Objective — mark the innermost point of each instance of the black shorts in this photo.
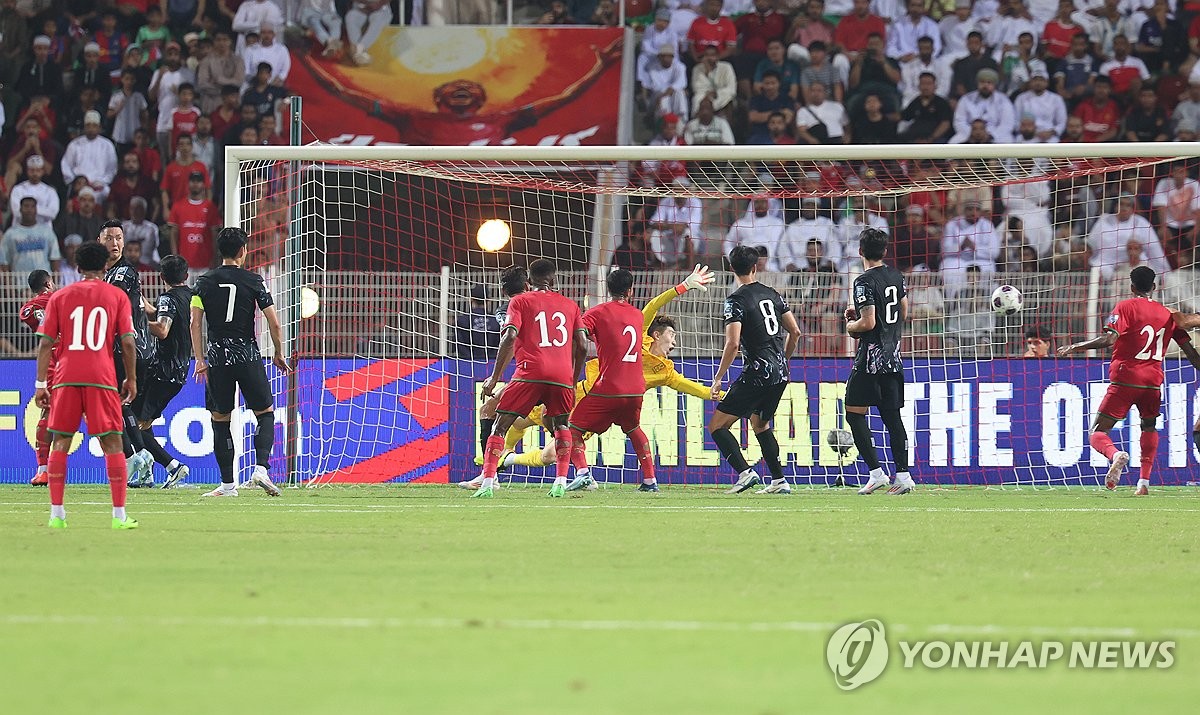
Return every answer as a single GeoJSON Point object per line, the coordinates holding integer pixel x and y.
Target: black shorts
{"type": "Point", "coordinates": [140, 369]}
{"type": "Point", "coordinates": [744, 400]}
{"type": "Point", "coordinates": [884, 390]}
{"type": "Point", "coordinates": [220, 392]}
{"type": "Point", "coordinates": [153, 397]}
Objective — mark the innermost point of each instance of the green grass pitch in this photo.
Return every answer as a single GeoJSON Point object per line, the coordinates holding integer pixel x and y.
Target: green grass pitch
{"type": "Point", "coordinates": [417, 600]}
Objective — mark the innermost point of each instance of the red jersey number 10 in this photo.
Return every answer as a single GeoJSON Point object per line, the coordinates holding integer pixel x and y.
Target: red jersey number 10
{"type": "Point", "coordinates": [560, 328]}
{"type": "Point", "coordinates": [96, 329]}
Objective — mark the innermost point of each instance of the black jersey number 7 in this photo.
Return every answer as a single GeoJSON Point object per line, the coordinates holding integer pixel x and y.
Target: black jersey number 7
{"type": "Point", "coordinates": [231, 302]}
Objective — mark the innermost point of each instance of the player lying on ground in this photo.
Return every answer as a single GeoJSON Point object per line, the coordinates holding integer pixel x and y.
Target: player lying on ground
{"type": "Point", "coordinates": [1137, 331]}
{"type": "Point", "coordinates": [658, 342]}
{"type": "Point", "coordinates": [876, 321]}
{"type": "Point", "coordinates": [544, 331]}
{"type": "Point", "coordinates": [168, 368]}
{"type": "Point", "coordinates": [124, 275]}
{"type": "Point", "coordinates": [225, 300]}
{"type": "Point", "coordinates": [84, 321]}
{"type": "Point", "coordinates": [615, 396]}
{"type": "Point", "coordinates": [31, 315]}
{"type": "Point", "coordinates": [754, 316]}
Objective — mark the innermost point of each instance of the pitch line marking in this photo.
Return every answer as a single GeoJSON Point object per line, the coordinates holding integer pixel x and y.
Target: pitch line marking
{"type": "Point", "coordinates": [373, 623]}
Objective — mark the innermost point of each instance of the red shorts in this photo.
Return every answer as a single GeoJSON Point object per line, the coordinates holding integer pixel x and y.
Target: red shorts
{"type": "Point", "coordinates": [71, 403]}
{"type": "Point", "coordinates": [519, 398]}
{"type": "Point", "coordinates": [1119, 398]}
{"type": "Point", "coordinates": [596, 413]}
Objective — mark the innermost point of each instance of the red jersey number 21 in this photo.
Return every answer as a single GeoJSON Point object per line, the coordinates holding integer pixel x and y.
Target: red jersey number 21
{"type": "Point", "coordinates": [560, 328]}
{"type": "Point", "coordinates": [96, 328]}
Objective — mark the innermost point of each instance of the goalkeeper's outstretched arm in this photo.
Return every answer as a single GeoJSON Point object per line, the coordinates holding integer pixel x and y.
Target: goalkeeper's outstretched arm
{"type": "Point", "coordinates": [698, 279]}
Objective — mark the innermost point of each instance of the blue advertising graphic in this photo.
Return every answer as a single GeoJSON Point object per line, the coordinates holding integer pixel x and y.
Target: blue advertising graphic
{"type": "Point", "coordinates": [974, 422]}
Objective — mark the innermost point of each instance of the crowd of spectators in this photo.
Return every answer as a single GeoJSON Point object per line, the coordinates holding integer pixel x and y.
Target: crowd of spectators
{"type": "Point", "coordinates": [120, 109]}
{"type": "Point", "coordinates": [784, 72]}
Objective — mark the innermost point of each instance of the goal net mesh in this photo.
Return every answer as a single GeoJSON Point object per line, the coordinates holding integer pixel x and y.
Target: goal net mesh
{"type": "Point", "coordinates": [387, 252]}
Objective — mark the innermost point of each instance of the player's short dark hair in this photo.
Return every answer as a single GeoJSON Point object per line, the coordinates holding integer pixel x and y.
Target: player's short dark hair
{"type": "Point", "coordinates": [620, 282]}
{"type": "Point", "coordinates": [1142, 279]}
{"type": "Point", "coordinates": [111, 223]}
{"type": "Point", "coordinates": [872, 244]}
{"type": "Point", "coordinates": [513, 280]}
{"type": "Point", "coordinates": [230, 241]}
{"type": "Point", "coordinates": [660, 324]}
{"type": "Point", "coordinates": [542, 271]}
{"type": "Point", "coordinates": [38, 280]}
{"type": "Point", "coordinates": [174, 270]}
{"type": "Point", "coordinates": [1038, 332]}
{"type": "Point", "coordinates": [743, 259]}
{"type": "Point", "coordinates": [91, 257]}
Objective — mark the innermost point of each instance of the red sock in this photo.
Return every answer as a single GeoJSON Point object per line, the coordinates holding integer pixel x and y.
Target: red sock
{"type": "Point", "coordinates": [491, 455]}
{"type": "Point", "coordinates": [56, 474]}
{"type": "Point", "coordinates": [641, 447]}
{"type": "Point", "coordinates": [115, 465]}
{"type": "Point", "coordinates": [1103, 444]}
{"type": "Point", "coordinates": [562, 452]}
{"type": "Point", "coordinates": [1149, 452]}
{"type": "Point", "coordinates": [578, 455]}
{"type": "Point", "coordinates": [43, 443]}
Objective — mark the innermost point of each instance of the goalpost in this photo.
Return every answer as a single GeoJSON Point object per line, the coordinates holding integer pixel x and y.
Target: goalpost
{"type": "Point", "coordinates": [379, 245]}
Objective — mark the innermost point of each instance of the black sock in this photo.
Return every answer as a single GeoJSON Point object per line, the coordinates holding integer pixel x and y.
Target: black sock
{"type": "Point", "coordinates": [264, 439]}
{"type": "Point", "coordinates": [862, 438]}
{"type": "Point", "coordinates": [770, 452]}
{"type": "Point", "coordinates": [898, 438]}
{"type": "Point", "coordinates": [154, 448]}
{"type": "Point", "coordinates": [126, 445]}
{"type": "Point", "coordinates": [730, 449]}
{"type": "Point", "coordinates": [485, 431]}
{"type": "Point", "coordinates": [223, 450]}
{"type": "Point", "coordinates": [132, 432]}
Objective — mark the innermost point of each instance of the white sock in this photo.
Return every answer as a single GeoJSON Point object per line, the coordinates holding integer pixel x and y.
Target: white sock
{"type": "Point", "coordinates": [42, 469]}
{"type": "Point", "coordinates": [58, 512]}
{"type": "Point", "coordinates": [781, 480]}
{"type": "Point", "coordinates": [560, 481]}
{"type": "Point", "coordinates": [119, 513]}
{"type": "Point", "coordinates": [1143, 482]}
{"type": "Point", "coordinates": [173, 465]}
{"type": "Point", "coordinates": [747, 473]}
{"type": "Point", "coordinates": [230, 487]}
{"type": "Point", "coordinates": [583, 473]}
{"type": "Point", "coordinates": [878, 475]}
{"type": "Point", "coordinates": [510, 459]}
{"type": "Point", "coordinates": [146, 456]}
{"type": "Point", "coordinates": [649, 481]}
{"type": "Point", "coordinates": [904, 477]}
{"type": "Point", "coordinates": [488, 482]}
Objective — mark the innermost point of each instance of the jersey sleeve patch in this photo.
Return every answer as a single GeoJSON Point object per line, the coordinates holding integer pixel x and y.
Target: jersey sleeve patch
{"type": "Point", "coordinates": [864, 294]}
{"type": "Point", "coordinates": [733, 310]}
{"type": "Point", "coordinates": [262, 296]}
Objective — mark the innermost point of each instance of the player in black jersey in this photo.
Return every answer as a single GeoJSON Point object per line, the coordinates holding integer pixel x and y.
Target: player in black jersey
{"type": "Point", "coordinates": [225, 299]}
{"type": "Point", "coordinates": [513, 281]}
{"type": "Point", "coordinates": [124, 275]}
{"type": "Point", "coordinates": [756, 318]}
{"type": "Point", "coordinates": [876, 320]}
{"type": "Point", "coordinates": [168, 369]}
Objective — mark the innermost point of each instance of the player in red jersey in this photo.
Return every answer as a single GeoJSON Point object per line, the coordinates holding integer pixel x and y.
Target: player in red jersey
{"type": "Point", "coordinates": [32, 314]}
{"type": "Point", "coordinates": [1137, 331]}
{"type": "Point", "coordinates": [84, 320]}
{"type": "Point", "coordinates": [545, 331]}
{"type": "Point", "coordinates": [616, 396]}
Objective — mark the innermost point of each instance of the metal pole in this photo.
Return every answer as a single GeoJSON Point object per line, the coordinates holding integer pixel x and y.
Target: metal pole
{"type": "Point", "coordinates": [444, 314]}
{"type": "Point", "coordinates": [292, 264]}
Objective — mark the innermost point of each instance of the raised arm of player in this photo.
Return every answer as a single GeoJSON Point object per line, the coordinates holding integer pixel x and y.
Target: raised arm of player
{"type": "Point", "coordinates": [698, 279]}
{"type": "Point", "coordinates": [279, 360]}
{"type": "Point", "coordinates": [1189, 349]}
{"type": "Point", "coordinates": [793, 337]}
{"type": "Point", "coordinates": [504, 355]}
{"type": "Point", "coordinates": [679, 383]}
{"type": "Point", "coordinates": [1103, 342]}
{"type": "Point", "coordinates": [733, 336]}
{"type": "Point", "coordinates": [1187, 321]}
{"type": "Point", "coordinates": [197, 341]}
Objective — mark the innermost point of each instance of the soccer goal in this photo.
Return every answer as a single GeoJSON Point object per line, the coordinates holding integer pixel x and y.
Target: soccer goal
{"type": "Point", "coordinates": [385, 262]}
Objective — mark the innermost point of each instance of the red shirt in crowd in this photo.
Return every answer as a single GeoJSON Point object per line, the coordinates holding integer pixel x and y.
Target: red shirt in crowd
{"type": "Point", "coordinates": [756, 30]}
{"type": "Point", "coordinates": [183, 121]}
{"type": "Point", "coordinates": [1057, 38]}
{"type": "Point", "coordinates": [852, 31]}
{"type": "Point", "coordinates": [175, 179]}
{"type": "Point", "coordinates": [719, 33]}
{"type": "Point", "coordinates": [1097, 120]}
{"type": "Point", "coordinates": [195, 221]}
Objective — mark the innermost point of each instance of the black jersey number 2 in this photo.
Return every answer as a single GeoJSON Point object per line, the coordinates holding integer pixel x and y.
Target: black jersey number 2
{"type": "Point", "coordinates": [890, 313]}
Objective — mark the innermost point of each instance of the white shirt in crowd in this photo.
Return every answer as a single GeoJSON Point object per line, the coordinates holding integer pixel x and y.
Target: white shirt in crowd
{"type": "Point", "coordinates": [1182, 203]}
{"type": "Point", "coordinates": [996, 110]}
{"type": "Point", "coordinates": [666, 245]}
{"type": "Point", "coordinates": [849, 229]}
{"type": "Point", "coordinates": [168, 81]}
{"type": "Point", "coordinates": [276, 55]}
{"type": "Point", "coordinates": [902, 36]}
{"type": "Point", "coordinates": [910, 77]}
{"type": "Point", "coordinates": [1110, 235]}
{"type": "Point", "coordinates": [250, 17]}
{"type": "Point", "coordinates": [43, 193]}
{"type": "Point", "coordinates": [146, 233]}
{"type": "Point", "coordinates": [718, 131]}
{"type": "Point", "coordinates": [94, 158]}
{"type": "Point", "coordinates": [1048, 110]}
{"type": "Point", "coordinates": [766, 231]}
{"type": "Point", "coordinates": [831, 114]}
{"type": "Point", "coordinates": [721, 81]}
{"type": "Point", "coordinates": [803, 230]}
{"type": "Point", "coordinates": [983, 247]}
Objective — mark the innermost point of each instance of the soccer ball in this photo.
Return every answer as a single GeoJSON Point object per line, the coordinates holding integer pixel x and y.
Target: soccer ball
{"type": "Point", "coordinates": [1006, 300]}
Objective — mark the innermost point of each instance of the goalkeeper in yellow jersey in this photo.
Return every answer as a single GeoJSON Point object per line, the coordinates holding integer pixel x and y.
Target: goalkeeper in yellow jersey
{"type": "Point", "coordinates": [658, 342]}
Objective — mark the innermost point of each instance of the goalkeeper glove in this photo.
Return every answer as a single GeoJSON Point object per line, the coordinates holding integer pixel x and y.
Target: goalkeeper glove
{"type": "Point", "coordinates": [699, 278]}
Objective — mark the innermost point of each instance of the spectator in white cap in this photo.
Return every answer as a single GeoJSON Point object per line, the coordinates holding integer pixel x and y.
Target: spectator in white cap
{"type": "Point", "coordinates": [68, 273]}
{"type": "Point", "coordinates": [664, 85]}
{"type": "Point", "coordinates": [269, 51]}
{"type": "Point", "coordinates": [252, 15]}
{"type": "Point", "coordinates": [28, 245]}
{"type": "Point", "coordinates": [164, 90]}
{"type": "Point", "coordinates": [33, 187]}
{"type": "Point", "coordinates": [1048, 108]}
{"type": "Point", "coordinates": [40, 75]}
{"type": "Point", "coordinates": [91, 156]}
{"type": "Point", "coordinates": [657, 34]}
{"type": "Point", "coordinates": [90, 74]}
{"type": "Point", "coordinates": [987, 104]}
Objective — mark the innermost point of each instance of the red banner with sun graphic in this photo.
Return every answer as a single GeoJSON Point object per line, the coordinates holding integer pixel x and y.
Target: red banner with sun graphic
{"type": "Point", "coordinates": [467, 85]}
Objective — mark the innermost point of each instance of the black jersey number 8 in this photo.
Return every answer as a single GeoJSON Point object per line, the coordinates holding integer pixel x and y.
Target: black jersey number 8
{"type": "Point", "coordinates": [770, 319]}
